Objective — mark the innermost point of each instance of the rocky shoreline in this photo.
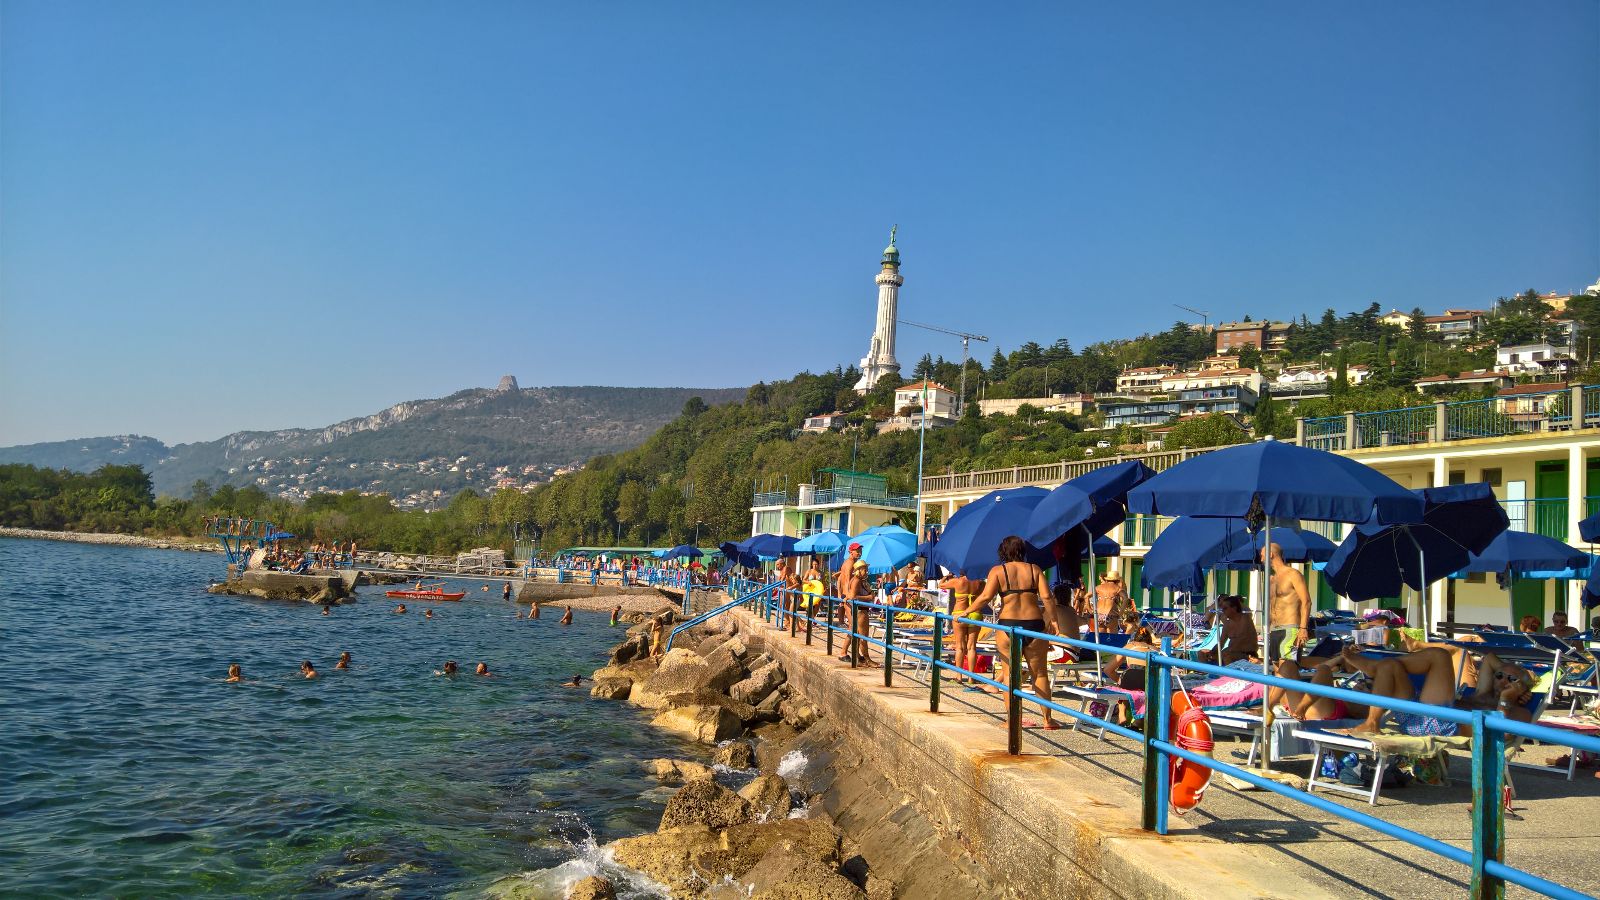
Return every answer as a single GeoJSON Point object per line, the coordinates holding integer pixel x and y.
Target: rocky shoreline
{"type": "Point", "coordinates": [741, 826]}
{"type": "Point", "coordinates": [119, 540]}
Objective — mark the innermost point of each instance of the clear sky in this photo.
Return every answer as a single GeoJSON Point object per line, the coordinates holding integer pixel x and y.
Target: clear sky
{"type": "Point", "coordinates": [217, 216]}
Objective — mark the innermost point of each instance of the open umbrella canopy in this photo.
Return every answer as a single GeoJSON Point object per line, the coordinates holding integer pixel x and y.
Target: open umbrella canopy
{"type": "Point", "coordinates": [970, 542]}
{"type": "Point", "coordinates": [1589, 529]}
{"type": "Point", "coordinates": [1458, 521]}
{"type": "Point", "coordinates": [1096, 499]}
{"type": "Point", "coordinates": [886, 548]}
{"type": "Point", "coordinates": [1278, 480]}
{"type": "Point", "coordinates": [1297, 544]}
{"type": "Point", "coordinates": [822, 542]}
{"type": "Point", "coordinates": [683, 550]}
{"type": "Point", "coordinates": [771, 546]}
{"type": "Point", "coordinates": [739, 554]}
{"type": "Point", "coordinates": [1185, 549]}
{"type": "Point", "coordinates": [1105, 548]}
{"type": "Point", "coordinates": [1522, 552]}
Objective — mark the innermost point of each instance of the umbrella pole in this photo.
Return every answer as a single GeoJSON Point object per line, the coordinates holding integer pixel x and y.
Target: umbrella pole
{"type": "Point", "coordinates": [1422, 580]}
{"type": "Point", "coordinates": [1266, 633]}
{"type": "Point", "coordinates": [1094, 607]}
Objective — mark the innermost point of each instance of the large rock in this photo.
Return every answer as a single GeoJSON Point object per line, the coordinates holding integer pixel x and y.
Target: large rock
{"type": "Point", "coordinates": [687, 860]}
{"type": "Point", "coordinates": [704, 802]}
{"type": "Point", "coordinates": [743, 711]}
{"type": "Point", "coordinates": [611, 688]}
{"type": "Point", "coordinates": [678, 771]}
{"type": "Point", "coordinates": [787, 875]}
{"type": "Point", "coordinates": [637, 671]}
{"type": "Point", "coordinates": [767, 709]}
{"type": "Point", "coordinates": [773, 742]}
{"type": "Point", "coordinates": [594, 887]}
{"type": "Point", "coordinates": [684, 672]}
{"type": "Point", "coordinates": [761, 682]}
{"type": "Point", "coordinates": [734, 755]}
{"type": "Point", "coordinates": [635, 647]}
{"type": "Point", "coordinates": [706, 724]}
{"type": "Point", "coordinates": [769, 797]}
{"type": "Point", "coordinates": [799, 713]}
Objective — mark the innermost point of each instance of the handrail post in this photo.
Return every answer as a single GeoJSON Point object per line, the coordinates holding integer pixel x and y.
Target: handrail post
{"type": "Point", "coordinates": [828, 610]}
{"type": "Point", "coordinates": [888, 653]}
{"type": "Point", "coordinates": [1013, 695]}
{"type": "Point", "coordinates": [811, 614]}
{"type": "Point", "coordinates": [1150, 802]}
{"type": "Point", "coordinates": [792, 597]}
{"type": "Point", "coordinates": [938, 656]}
{"type": "Point", "coordinates": [1163, 714]}
{"type": "Point", "coordinates": [1488, 811]}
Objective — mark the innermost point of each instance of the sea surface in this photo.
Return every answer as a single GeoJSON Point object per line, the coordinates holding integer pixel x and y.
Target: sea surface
{"type": "Point", "coordinates": [129, 768]}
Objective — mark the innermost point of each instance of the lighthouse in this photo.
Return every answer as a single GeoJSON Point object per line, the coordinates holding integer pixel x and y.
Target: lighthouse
{"type": "Point", "coordinates": [880, 360]}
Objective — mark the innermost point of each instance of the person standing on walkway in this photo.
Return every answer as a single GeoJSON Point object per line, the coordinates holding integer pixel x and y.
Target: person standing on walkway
{"type": "Point", "coordinates": [1025, 603]}
{"type": "Point", "coordinates": [1111, 602]}
{"type": "Point", "coordinates": [854, 585]}
{"type": "Point", "coordinates": [1289, 622]}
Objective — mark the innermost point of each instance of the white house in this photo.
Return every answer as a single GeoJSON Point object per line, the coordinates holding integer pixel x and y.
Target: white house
{"type": "Point", "coordinates": [1532, 359]}
{"type": "Point", "coordinates": [1143, 380]}
{"type": "Point", "coordinates": [824, 422]}
{"type": "Point", "coordinates": [1212, 378]}
{"type": "Point", "coordinates": [941, 401]}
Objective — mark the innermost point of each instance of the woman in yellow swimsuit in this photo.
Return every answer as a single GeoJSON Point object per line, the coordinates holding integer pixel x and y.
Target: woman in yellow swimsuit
{"type": "Point", "coordinates": [964, 592]}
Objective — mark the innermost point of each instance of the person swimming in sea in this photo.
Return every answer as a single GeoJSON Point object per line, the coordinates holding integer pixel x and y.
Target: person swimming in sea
{"type": "Point", "coordinates": [307, 670]}
{"type": "Point", "coordinates": [344, 661]}
{"type": "Point", "coordinates": [616, 614]}
{"type": "Point", "coordinates": [566, 618]}
{"type": "Point", "coordinates": [505, 591]}
{"type": "Point", "coordinates": [400, 610]}
{"type": "Point", "coordinates": [533, 610]}
{"type": "Point", "coordinates": [449, 668]}
{"type": "Point", "coordinates": [574, 681]}
{"type": "Point", "coordinates": [235, 673]}
{"type": "Point", "coordinates": [428, 614]}
{"type": "Point", "coordinates": [485, 589]}
{"type": "Point", "coordinates": [483, 669]}
{"type": "Point", "coordinates": [327, 610]}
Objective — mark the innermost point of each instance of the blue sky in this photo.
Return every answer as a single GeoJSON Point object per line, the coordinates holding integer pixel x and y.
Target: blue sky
{"type": "Point", "coordinates": [216, 216]}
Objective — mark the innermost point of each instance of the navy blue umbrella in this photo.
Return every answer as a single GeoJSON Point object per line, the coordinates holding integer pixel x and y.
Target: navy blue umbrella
{"type": "Point", "coordinates": [772, 546]}
{"type": "Point", "coordinates": [970, 541]}
{"type": "Point", "coordinates": [1513, 553]}
{"type": "Point", "coordinates": [1297, 544]}
{"type": "Point", "coordinates": [1279, 481]}
{"type": "Point", "coordinates": [1185, 549]}
{"type": "Point", "coordinates": [1589, 529]}
{"type": "Point", "coordinates": [683, 550]}
{"type": "Point", "coordinates": [1106, 547]}
{"type": "Point", "coordinates": [1096, 499]}
{"type": "Point", "coordinates": [1458, 521]}
{"type": "Point", "coordinates": [738, 554]}
{"type": "Point", "coordinates": [1591, 590]}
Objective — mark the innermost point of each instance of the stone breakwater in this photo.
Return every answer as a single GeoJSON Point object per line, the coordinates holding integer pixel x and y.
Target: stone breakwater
{"type": "Point", "coordinates": [761, 816]}
{"type": "Point", "coordinates": [121, 540]}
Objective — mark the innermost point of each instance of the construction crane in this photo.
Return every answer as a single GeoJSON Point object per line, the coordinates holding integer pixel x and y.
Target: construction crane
{"type": "Point", "coordinates": [961, 398]}
{"type": "Point", "coordinates": [1205, 317]}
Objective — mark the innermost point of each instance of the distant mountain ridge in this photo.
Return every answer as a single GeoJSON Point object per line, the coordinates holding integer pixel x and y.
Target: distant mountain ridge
{"type": "Point", "coordinates": [475, 438]}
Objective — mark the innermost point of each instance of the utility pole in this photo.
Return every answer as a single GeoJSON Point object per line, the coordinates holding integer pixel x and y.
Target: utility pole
{"type": "Point", "coordinates": [1205, 317]}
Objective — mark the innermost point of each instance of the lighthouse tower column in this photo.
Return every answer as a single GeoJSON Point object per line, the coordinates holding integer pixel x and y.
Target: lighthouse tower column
{"type": "Point", "coordinates": [880, 360]}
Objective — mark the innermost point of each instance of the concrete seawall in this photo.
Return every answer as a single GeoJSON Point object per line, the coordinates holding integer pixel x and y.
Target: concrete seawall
{"type": "Point", "coordinates": [547, 592]}
{"type": "Point", "coordinates": [1039, 826]}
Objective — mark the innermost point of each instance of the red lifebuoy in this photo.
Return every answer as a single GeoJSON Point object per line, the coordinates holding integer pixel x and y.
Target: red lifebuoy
{"type": "Point", "coordinates": [1190, 730]}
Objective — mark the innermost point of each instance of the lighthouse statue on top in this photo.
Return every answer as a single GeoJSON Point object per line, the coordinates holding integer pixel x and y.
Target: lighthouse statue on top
{"type": "Point", "coordinates": [880, 360]}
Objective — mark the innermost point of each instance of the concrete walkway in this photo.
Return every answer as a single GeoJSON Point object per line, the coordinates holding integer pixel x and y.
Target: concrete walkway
{"type": "Point", "coordinates": [1557, 836]}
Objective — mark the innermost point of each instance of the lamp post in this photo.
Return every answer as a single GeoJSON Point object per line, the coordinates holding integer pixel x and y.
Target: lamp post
{"type": "Point", "coordinates": [697, 533]}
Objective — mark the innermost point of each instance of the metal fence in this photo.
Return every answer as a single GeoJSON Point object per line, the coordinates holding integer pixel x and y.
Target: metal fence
{"type": "Point", "coordinates": [1486, 859]}
{"type": "Point", "coordinates": [1458, 420]}
{"type": "Point", "coordinates": [1048, 473]}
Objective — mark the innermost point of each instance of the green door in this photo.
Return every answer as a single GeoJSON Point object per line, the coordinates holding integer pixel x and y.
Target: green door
{"type": "Point", "coordinates": [1527, 599]}
{"type": "Point", "coordinates": [1550, 499]}
{"type": "Point", "coordinates": [1591, 485]}
{"type": "Point", "coordinates": [1327, 598]}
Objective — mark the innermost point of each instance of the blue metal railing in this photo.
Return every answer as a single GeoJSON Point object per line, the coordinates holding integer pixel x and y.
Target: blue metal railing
{"type": "Point", "coordinates": [1325, 433]}
{"type": "Point", "coordinates": [1529, 413]}
{"type": "Point", "coordinates": [1490, 874]}
{"type": "Point", "coordinates": [751, 597]}
{"type": "Point", "coordinates": [1396, 427]}
{"type": "Point", "coordinates": [1546, 516]}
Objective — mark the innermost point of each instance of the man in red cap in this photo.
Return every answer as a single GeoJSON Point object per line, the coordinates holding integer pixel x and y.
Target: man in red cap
{"type": "Point", "coordinates": [853, 585]}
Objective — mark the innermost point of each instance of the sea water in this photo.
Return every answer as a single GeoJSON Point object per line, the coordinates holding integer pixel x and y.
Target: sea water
{"type": "Point", "coordinates": [128, 767]}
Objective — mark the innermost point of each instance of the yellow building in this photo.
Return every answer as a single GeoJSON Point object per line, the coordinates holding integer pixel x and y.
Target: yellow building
{"type": "Point", "coordinates": [851, 502]}
{"type": "Point", "coordinates": [1544, 467]}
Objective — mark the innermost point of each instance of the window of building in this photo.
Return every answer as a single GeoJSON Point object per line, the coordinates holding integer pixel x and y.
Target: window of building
{"type": "Point", "coordinates": [1458, 477]}
{"type": "Point", "coordinates": [1492, 476]}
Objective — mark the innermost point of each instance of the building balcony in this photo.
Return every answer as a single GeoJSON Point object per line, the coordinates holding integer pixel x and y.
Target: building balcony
{"type": "Point", "coordinates": [1461, 420]}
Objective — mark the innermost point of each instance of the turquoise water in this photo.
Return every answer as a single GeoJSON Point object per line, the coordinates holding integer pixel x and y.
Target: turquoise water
{"type": "Point", "coordinates": [131, 769]}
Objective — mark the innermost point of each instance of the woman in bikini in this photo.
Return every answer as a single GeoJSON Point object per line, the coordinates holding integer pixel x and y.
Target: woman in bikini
{"type": "Point", "coordinates": [968, 613]}
{"type": "Point", "coordinates": [1025, 602]}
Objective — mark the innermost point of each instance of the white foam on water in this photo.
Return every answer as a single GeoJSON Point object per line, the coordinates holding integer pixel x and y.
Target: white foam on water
{"type": "Point", "coordinates": [591, 859]}
{"type": "Point", "coordinates": [792, 765]}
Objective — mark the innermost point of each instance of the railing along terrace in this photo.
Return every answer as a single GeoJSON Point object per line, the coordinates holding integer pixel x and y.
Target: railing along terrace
{"type": "Point", "coordinates": [1591, 404]}
{"type": "Point", "coordinates": [1393, 427]}
{"type": "Point", "coordinates": [1048, 473]}
{"type": "Point", "coordinates": [804, 615]}
{"type": "Point", "coordinates": [846, 495]}
{"type": "Point", "coordinates": [772, 498]}
{"type": "Point", "coordinates": [1546, 516]}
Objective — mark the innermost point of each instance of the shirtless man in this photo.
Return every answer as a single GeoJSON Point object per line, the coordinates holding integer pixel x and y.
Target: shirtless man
{"type": "Point", "coordinates": [784, 574]}
{"type": "Point", "coordinates": [566, 617]}
{"type": "Point", "coordinates": [344, 661]}
{"type": "Point", "coordinates": [1238, 638]}
{"type": "Point", "coordinates": [1289, 613]}
{"type": "Point", "coordinates": [853, 585]}
{"type": "Point", "coordinates": [1560, 628]}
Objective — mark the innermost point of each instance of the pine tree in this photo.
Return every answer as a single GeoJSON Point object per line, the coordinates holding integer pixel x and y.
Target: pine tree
{"type": "Point", "coordinates": [924, 367]}
{"type": "Point", "coordinates": [999, 367]}
{"type": "Point", "coordinates": [1417, 328]}
{"type": "Point", "coordinates": [1266, 415]}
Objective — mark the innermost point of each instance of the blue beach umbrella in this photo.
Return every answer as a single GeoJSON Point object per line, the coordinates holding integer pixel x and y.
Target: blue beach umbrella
{"type": "Point", "coordinates": [886, 548]}
{"type": "Point", "coordinates": [822, 542]}
{"type": "Point", "coordinates": [684, 550]}
{"type": "Point", "coordinates": [1377, 561]}
{"type": "Point", "coordinates": [1278, 481]}
{"type": "Point", "coordinates": [739, 554]}
{"type": "Point", "coordinates": [1589, 529]}
{"type": "Point", "coordinates": [771, 546]}
{"type": "Point", "coordinates": [1297, 544]}
{"type": "Point", "coordinates": [1515, 553]}
{"type": "Point", "coordinates": [1106, 547]}
{"type": "Point", "coordinates": [1185, 549]}
{"type": "Point", "coordinates": [1096, 500]}
{"type": "Point", "coordinates": [970, 542]}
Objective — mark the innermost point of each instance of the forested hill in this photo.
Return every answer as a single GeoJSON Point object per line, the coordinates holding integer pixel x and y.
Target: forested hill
{"type": "Point", "coordinates": [473, 438]}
